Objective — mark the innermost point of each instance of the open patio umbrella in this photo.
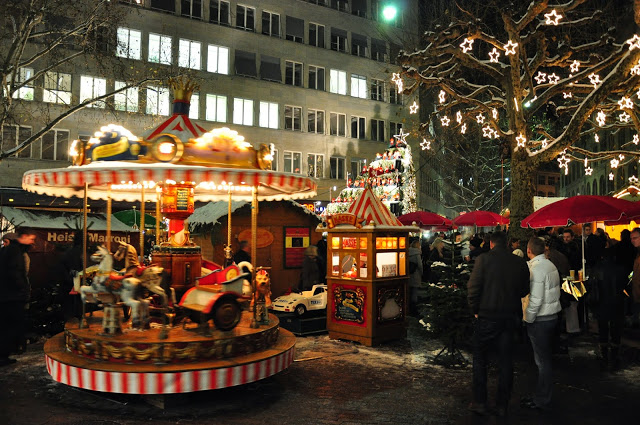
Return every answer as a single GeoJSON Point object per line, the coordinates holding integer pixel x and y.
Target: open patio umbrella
{"type": "Point", "coordinates": [132, 218]}
{"type": "Point", "coordinates": [582, 209]}
{"type": "Point", "coordinates": [480, 219]}
{"type": "Point", "coordinates": [426, 220]}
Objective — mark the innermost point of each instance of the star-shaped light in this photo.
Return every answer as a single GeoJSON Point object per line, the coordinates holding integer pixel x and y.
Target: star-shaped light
{"type": "Point", "coordinates": [510, 48]}
{"type": "Point", "coordinates": [636, 139]}
{"type": "Point", "coordinates": [441, 96]}
{"type": "Point", "coordinates": [495, 134]}
{"type": "Point", "coordinates": [601, 118]}
{"type": "Point", "coordinates": [563, 162]}
{"type": "Point", "coordinates": [575, 66]}
{"type": "Point", "coordinates": [624, 117]}
{"type": "Point", "coordinates": [425, 144]}
{"type": "Point", "coordinates": [487, 131]}
{"type": "Point", "coordinates": [494, 112]}
{"type": "Point", "coordinates": [544, 143]}
{"type": "Point", "coordinates": [594, 79]}
{"type": "Point", "coordinates": [625, 102]}
{"type": "Point", "coordinates": [597, 138]}
{"type": "Point", "coordinates": [521, 140]}
{"type": "Point", "coordinates": [633, 180]}
{"type": "Point", "coordinates": [400, 85]}
{"type": "Point", "coordinates": [586, 162]}
{"type": "Point", "coordinates": [552, 18]}
{"type": "Point", "coordinates": [636, 69]}
{"type": "Point", "coordinates": [494, 55]}
{"type": "Point", "coordinates": [614, 163]}
{"type": "Point", "coordinates": [567, 95]}
{"type": "Point", "coordinates": [445, 121]}
{"type": "Point", "coordinates": [467, 45]}
{"type": "Point", "coordinates": [401, 136]}
{"type": "Point", "coordinates": [463, 129]}
{"type": "Point", "coordinates": [540, 77]}
{"type": "Point", "coordinates": [621, 156]}
{"type": "Point", "coordinates": [588, 171]}
{"type": "Point", "coordinates": [413, 108]}
{"type": "Point", "coordinates": [553, 78]}
{"type": "Point", "coordinates": [395, 77]}
{"type": "Point", "coordinates": [459, 117]}
{"type": "Point", "coordinates": [611, 176]}
{"type": "Point", "coordinates": [480, 119]}
{"type": "Point", "coordinates": [638, 93]}
{"type": "Point", "coordinates": [634, 42]}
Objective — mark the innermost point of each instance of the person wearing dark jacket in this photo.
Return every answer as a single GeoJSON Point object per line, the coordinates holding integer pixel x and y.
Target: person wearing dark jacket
{"type": "Point", "coordinates": [15, 292]}
{"type": "Point", "coordinates": [311, 269]}
{"type": "Point", "coordinates": [497, 284]}
{"type": "Point", "coordinates": [608, 281]}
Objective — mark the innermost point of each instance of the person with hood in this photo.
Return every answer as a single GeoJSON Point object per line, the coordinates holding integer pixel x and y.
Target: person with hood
{"type": "Point", "coordinates": [415, 275]}
{"type": "Point", "coordinates": [15, 293]}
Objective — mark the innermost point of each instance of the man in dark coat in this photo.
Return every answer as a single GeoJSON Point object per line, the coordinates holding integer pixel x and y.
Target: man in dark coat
{"type": "Point", "coordinates": [242, 255]}
{"type": "Point", "coordinates": [15, 292]}
{"type": "Point", "coordinates": [593, 246]}
{"type": "Point", "coordinates": [497, 284]}
{"type": "Point", "coordinates": [572, 250]}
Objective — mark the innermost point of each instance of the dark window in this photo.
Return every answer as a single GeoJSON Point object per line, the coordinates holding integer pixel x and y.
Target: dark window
{"type": "Point", "coordinates": [542, 180]}
{"type": "Point", "coordinates": [338, 40]}
{"type": "Point", "coordinates": [315, 120]}
{"type": "Point", "coordinates": [295, 29]}
{"type": "Point", "coordinates": [316, 35]}
{"type": "Point", "coordinates": [337, 124]}
{"type": "Point", "coordinates": [192, 9]}
{"type": "Point", "coordinates": [245, 17]}
{"type": "Point", "coordinates": [359, 8]}
{"type": "Point", "coordinates": [358, 45]}
{"type": "Point", "coordinates": [270, 68]}
{"type": "Point", "coordinates": [341, 5]}
{"type": "Point", "coordinates": [337, 167]}
{"type": "Point", "coordinates": [377, 90]}
{"type": "Point", "coordinates": [219, 12]}
{"type": "Point", "coordinates": [292, 118]}
{"type": "Point", "coordinates": [377, 130]}
{"type": "Point", "coordinates": [316, 77]}
{"type": "Point", "coordinates": [245, 64]}
{"type": "Point", "coordinates": [164, 5]}
{"type": "Point", "coordinates": [271, 24]}
{"type": "Point", "coordinates": [293, 73]}
{"type": "Point", "coordinates": [378, 50]}
{"type": "Point", "coordinates": [357, 127]}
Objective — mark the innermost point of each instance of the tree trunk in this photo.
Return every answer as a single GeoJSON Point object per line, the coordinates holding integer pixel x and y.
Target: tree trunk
{"type": "Point", "coordinates": [522, 192]}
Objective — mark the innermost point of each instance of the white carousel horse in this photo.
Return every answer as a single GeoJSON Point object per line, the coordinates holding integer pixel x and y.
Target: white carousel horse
{"type": "Point", "coordinates": [122, 288]}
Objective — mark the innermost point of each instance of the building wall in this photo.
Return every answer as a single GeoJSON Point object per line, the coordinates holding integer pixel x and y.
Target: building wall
{"type": "Point", "coordinates": [142, 18]}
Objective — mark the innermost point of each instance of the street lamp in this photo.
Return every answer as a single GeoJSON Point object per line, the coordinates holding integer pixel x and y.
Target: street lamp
{"type": "Point", "coordinates": [389, 12]}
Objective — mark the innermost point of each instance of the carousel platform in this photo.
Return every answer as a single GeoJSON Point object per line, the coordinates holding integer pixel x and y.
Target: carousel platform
{"type": "Point", "coordinates": [139, 362]}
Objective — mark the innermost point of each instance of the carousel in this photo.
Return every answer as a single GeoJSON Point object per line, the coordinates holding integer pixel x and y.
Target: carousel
{"type": "Point", "coordinates": [228, 337]}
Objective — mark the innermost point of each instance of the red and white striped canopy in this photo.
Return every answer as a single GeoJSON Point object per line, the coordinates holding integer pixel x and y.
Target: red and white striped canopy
{"type": "Point", "coordinates": [371, 208]}
{"type": "Point", "coordinates": [180, 126]}
{"type": "Point", "coordinates": [127, 179]}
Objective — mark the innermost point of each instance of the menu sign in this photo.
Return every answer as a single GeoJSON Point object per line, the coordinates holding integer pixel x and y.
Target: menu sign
{"type": "Point", "coordinates": [182, 199]}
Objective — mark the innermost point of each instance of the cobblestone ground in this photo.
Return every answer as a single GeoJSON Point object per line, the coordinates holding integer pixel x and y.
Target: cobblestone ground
{"type": "Point", "coordinates": [337, 382]}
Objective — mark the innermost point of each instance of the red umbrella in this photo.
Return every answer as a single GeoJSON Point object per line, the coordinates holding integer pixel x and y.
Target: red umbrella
{"type": "Point", "coordinates": [426, 219]}
{"type": "Point", "coordinates": [582, 209]}
{"type": "Point", "coordinates": [480, 219]}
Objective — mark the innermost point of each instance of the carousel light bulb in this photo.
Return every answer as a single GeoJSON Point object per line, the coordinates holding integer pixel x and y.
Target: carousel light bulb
{"type": "Point", "coordinates": [575, 66]}
{"type": "Point", "coordinates": [467, 45]}
{"type": "Point", "coordinates": [588, 171]}
{"type": "Point", "coordinates": [540, 77]}
{"type": "Point", "coordinates": [413, 108]}
{"type": "Point", "coordinates": [552, 18]}
{"type": "Point", "coordinates": [510, 48]}
{"type": "Point", "coordinates": [441, 95]}
{"type": "Point", "coordinates": [633, 42]}
{"type": "Point", "coordinates": [624, 117]}
{"type": "Point", "coordinates": [601, 117]}
{"type": "Point", "coordinates": [594, 79]}
{"type": "Point", "coordinates": [553, 78]}
{"type": "Point", "coordinates": [625, 102]}
{"type": "Point", "coordinates": [494, 55]}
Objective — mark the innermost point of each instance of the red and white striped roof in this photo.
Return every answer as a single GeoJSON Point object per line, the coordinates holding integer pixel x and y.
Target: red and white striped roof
{"type": "Point", "coordinates": [212, 184]}
{"type": "Point", "coordinates": [179, 125]}
{"type": "Point", "coordinates": [371, 208]}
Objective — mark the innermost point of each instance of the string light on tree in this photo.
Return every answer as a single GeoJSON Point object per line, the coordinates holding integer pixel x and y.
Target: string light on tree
{"type": "Point", "coordinates": [611, 176]}
{"type": "Point", "coordinates": [467, 45]}
{"type": "Point", "coordinates": [521, 140]}
{"type": "Point", "coordinates": [614, 163]}
{"type": "Point", "coordinates": [459, 117]}
{"type": "Point", "coordinates": [600, 118]}
{"type": "Point", "coordinates": [487, 131]}
{"type": "Point", "coordinates": [480, 119]}
{"type": "Point", "coordinates": [625, 102]}
{"type": "Point", "coordinates": [634, 42]}
{"type": "Point", "coordinates": [635, 139]}
{"type": "Point", "coordinates": [494, 113]}
{"type": "Point", "coordinates": [567, 95]}
{"type": "Point", "coordinates": [510, 48]}
{"type": "Point", "coordinates": [463, 129]}
{"type": "Point", "coordinates": [594, 79]}
{"type": "Point", "coordinates": [396, 78]}
{"type": "Point", "coordinates": [445, 121]}
{"type": "Point", "coordinates": [553, 78]}
{"type": "Point", "coordinates": [426, 144]}
{"type": "Point", "coordinates": [624, 117]}
{"type": "Point", "coordinates": [441, 98]}
{"type": "Point", "coordinates": [413, 108]}
{"type": "Point", "coordinates": [575, 66]}
{"type": "Point", "coordinates": [597, 138]}
{"type": "Point", "coordinates": [494, 55]}
{"type": "Point", "coordinates": [540, 77]}
{"type": "Point", "coordinates": [588, 171]}
{"type": "Point", "coordinates": [544, 143]}
{"type": "Point", "coordinates": [633, 180]}
{"type": "Point", "coordinates": [621, 156]}
{"type": "Point", "coordinates": [563, 162]}
{"type": "Point", "coordinates": [495, 134]}
{"type": "Point", "coordinates": [552, 18]}
{"type": "Point", "coordinates": [635, 70]}
{"type": "Point", "coordinates": [400, 137]}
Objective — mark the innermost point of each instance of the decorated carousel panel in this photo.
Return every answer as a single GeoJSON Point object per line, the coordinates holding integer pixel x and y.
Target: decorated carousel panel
{"type": "Point", "coordinates": [220, 343]}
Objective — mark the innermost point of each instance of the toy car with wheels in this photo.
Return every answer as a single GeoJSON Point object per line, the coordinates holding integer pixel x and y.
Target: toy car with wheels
{"type": "Point", "coordinates": [301, 302]}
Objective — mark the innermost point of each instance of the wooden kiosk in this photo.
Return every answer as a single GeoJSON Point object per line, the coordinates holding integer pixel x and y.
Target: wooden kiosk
{"type": "Point", "coordinates": [367, 273]}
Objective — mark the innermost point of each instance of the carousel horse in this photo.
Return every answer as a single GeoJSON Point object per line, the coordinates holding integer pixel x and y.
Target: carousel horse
{"type": "Point", "coordinates": [115, 287]}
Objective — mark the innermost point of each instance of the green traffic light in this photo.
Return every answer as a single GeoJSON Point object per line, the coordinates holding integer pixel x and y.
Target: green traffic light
{"type": "Point", "coordinates": [389, 12]}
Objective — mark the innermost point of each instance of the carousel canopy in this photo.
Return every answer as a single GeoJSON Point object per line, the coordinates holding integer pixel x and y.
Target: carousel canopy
{"type": "Point", "coordinates": [60, 220]}
{"type": "Point", "coordinates": [371, 208]}
{"type": "Point", "coordinates": [126, 180]}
